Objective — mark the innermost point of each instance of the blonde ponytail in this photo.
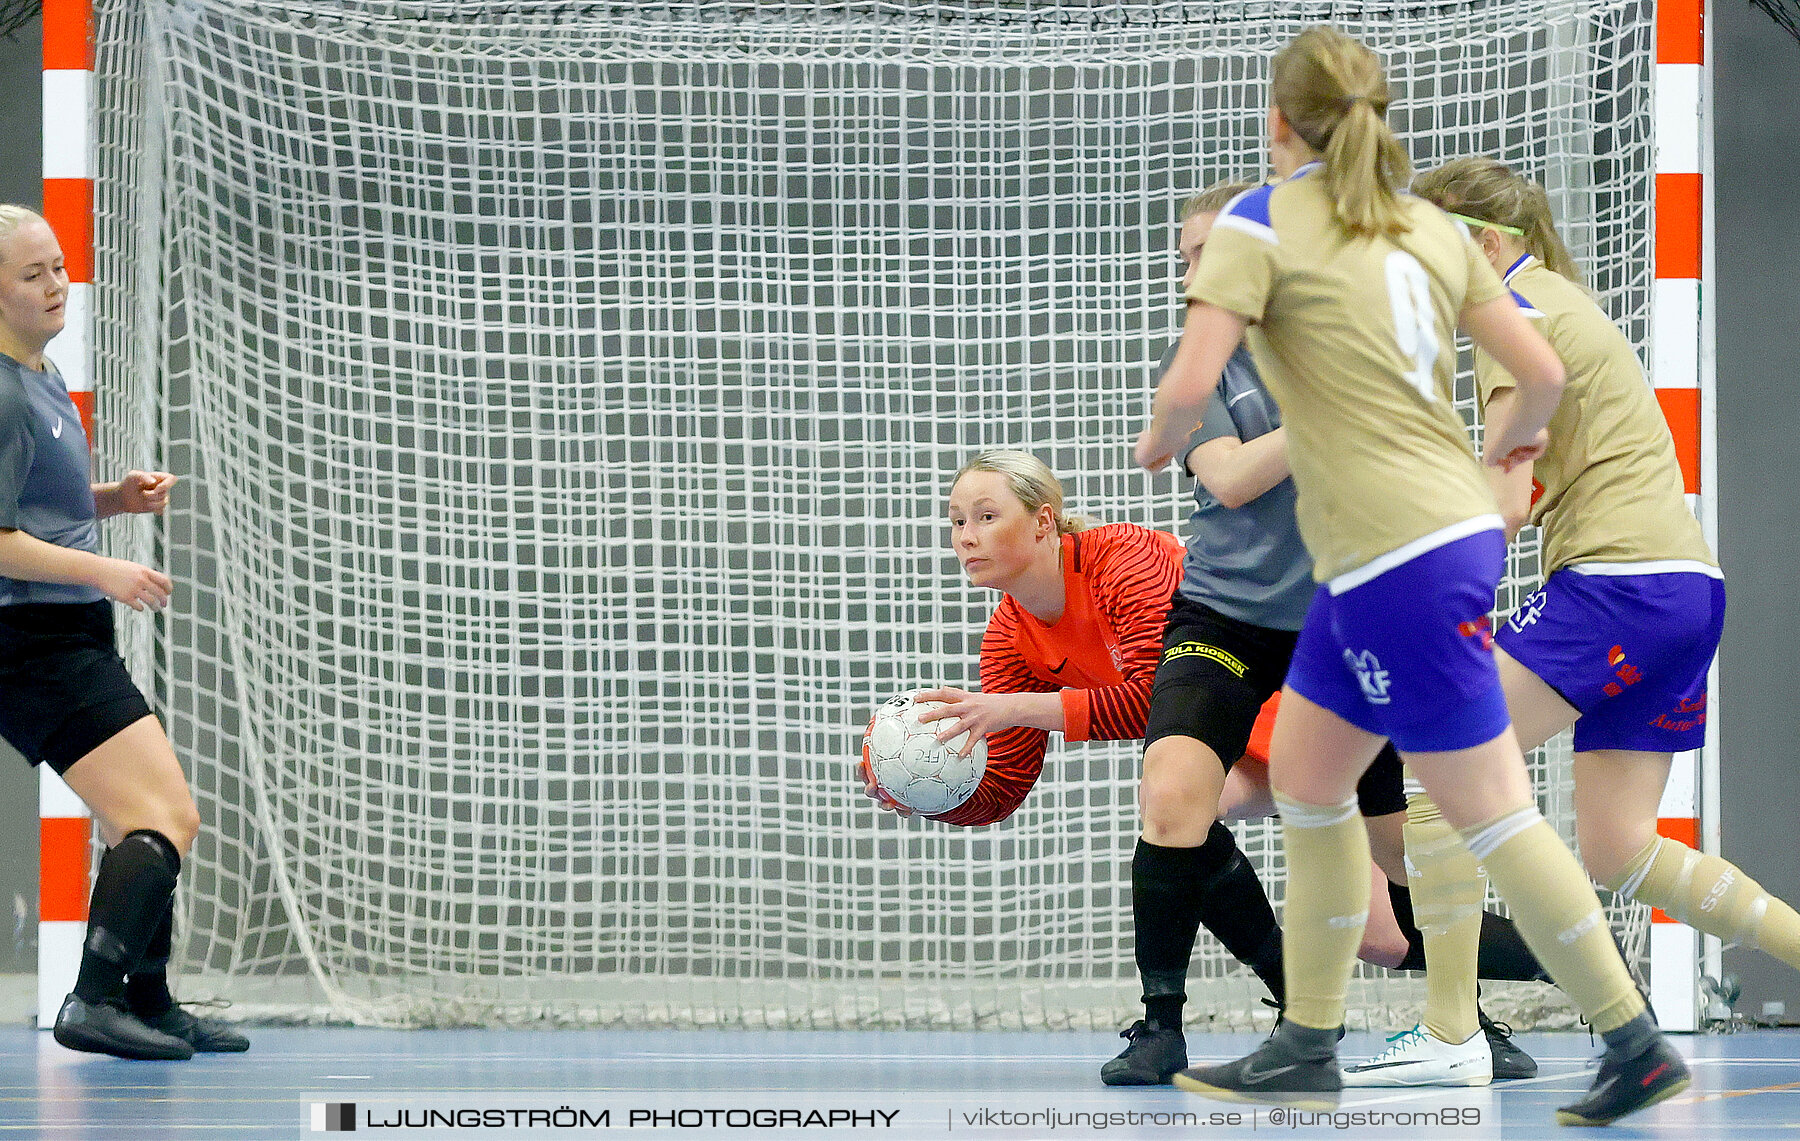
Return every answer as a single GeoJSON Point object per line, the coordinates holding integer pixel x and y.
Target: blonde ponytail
{"type": "Point", "coordinates": [1032, 483]}
{"type": "Point", "coordinates": [1333, 92]}
{"type": "Point", "coordinates": [1488, 192]}
{"type": "Point", "coordinates": [1541, 237]}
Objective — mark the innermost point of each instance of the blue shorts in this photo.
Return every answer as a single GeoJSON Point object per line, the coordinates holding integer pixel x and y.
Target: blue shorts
{"type": "Point", "coordinates": [1629, 651]}
{"type": "Point", "coordinates": [1408, 653]}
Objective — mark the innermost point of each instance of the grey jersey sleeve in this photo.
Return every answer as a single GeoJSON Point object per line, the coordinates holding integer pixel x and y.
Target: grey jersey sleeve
{"type": "Point", "coordinates": [16, 453]}
{"type": "Point", "coordinates": [1215, 423]}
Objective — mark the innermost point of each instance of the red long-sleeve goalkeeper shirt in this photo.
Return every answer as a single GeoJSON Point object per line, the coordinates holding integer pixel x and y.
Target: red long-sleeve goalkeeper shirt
{"type": "Point", "coordinates": [1101, 655]}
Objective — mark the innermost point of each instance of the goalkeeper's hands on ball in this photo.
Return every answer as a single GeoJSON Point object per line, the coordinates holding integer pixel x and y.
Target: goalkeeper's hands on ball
{"type": "Point", "coordinates": [876, 793]}
{"type": "Point", "coordinates": [976, 714]}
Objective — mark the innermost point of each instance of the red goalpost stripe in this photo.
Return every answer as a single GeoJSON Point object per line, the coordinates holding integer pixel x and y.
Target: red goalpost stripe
{"type": "Point", "coordinates": [63, 868]}
{"type": "Point", "coordinates": [68, 35]}
{"type": "Point", "coordinates": [1679, 31]}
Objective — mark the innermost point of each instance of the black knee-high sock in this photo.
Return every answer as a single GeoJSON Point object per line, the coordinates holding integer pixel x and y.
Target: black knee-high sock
{"type": "Point", "coordinates": [1503, 956]}
{"type": "Point", "coordinates": [131, 893]}
{"type": "Point", "coordinates": [1401, 898]}
{"type": "Point", "coordinates": [147, 986]}
{"type": "Point", "coordinates": [1174, 892]}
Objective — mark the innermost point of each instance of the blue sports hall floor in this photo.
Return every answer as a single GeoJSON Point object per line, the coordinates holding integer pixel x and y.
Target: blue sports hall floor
{"type": "Point", "coordinates": [807, 1084]}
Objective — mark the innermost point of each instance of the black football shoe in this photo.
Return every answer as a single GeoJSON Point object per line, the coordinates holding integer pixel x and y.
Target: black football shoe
{"type": "Point", "coordinates": [108, 1028]}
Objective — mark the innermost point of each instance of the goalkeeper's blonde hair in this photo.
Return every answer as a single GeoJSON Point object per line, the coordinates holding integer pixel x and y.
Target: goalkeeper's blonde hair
{"type": "Point", "coordinates": [1032, 483]}
{"type": "Point", "coordinates": [1334, 93]}
{"type": "Point", "coordinates": [13, 216]}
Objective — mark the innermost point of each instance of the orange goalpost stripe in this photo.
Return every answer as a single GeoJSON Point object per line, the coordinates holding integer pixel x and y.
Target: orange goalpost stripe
{"type": "Point", "coordinates": [1678, 225]}
{"type": "Point", "coordinates": [1679, 29]}
{"type": "Point", "coordinates": [1681, 408]}
{"type": "Point", "coordinates": [63, 868]}
{"type": "Point", "coordinates": [69, 208]}
{"type": "Point", "coordinates": [84, 406]}
{"type": "Point", "coordinates": [68, 35]}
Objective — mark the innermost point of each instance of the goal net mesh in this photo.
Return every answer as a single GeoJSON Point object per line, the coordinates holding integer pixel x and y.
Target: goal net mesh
{"type": "Point", "coordinates": [566, 397]}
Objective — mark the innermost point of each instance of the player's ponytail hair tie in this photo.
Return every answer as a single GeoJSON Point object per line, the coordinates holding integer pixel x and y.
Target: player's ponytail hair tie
{"type": "Point", "coordinates": [1318, 80]}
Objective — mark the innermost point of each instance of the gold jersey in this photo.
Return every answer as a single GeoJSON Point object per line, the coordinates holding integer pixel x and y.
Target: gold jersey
{"type": "Point", "coordinates": [1356, 339]}
{"type": "Point", "coordinates": [1612, 490]}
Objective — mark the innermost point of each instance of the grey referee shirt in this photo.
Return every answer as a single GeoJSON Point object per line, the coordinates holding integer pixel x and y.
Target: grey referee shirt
{"type": "Point", "coordinates": [44, 476]}
{"type": "Point", "coordinates": [1246, 562]}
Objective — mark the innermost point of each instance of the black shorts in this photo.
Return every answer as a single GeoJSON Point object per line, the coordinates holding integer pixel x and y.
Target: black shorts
{"type": "Point", "coordinates": [1216, 672]}
{"type": "Point", "coordinates": [64, 690]}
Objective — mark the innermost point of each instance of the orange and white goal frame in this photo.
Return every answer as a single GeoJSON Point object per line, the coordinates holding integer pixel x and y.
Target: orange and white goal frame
{"type": "Point", "coordinates": [1682, 368]}
{"type": "Point", "coordinates": [64, 828]}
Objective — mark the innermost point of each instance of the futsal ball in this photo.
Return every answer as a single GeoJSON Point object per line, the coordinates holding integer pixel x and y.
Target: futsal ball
{"type": "Point", "coordinates": [906, 760]}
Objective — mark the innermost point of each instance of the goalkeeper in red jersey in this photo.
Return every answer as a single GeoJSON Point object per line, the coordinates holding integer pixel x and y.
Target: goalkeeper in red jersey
{"type": "Point", "coordinates": [1074, 647]}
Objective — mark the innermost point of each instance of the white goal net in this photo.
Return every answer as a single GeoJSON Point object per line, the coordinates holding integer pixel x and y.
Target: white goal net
{"type": "Point", "coordinates": [566, 395]}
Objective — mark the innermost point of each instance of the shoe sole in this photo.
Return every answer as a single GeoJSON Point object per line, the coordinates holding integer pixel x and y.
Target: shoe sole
{"type": "Point", "coordinates": [1132, 1080]}
{"type": "Point", "coordinates": [1565, 1117]}
{"type": "Point", "coordinates": [1318, 1101]}
{"type": "Point", "coordinates": [1515, 1075]}
{"type": "Point", "coordinates": [1354, 1080]}
{"type": "Point", "coordinates": [71, 1039]}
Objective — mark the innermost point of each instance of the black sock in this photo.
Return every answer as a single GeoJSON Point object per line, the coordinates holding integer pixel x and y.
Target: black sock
{"type": "Point", "coordinates": [1165, 916]}
{"type": "Point", "coordinates": [1504, 955]}
{"type": "Point", "coordinates": [1266, 959]}
{"type": "Point", "coordinates": [1401, 898]}
{"type": "Point", "coordinates": [1235, 908]}
{"type": "Point", "coordinates": [1164, 1010]}
{"type": "Point", "coordinates": [131, 893]}
{"type": "Point", "coordinates": [147, 986]}
{"type": "Point", "coordinates": [1175, 890]}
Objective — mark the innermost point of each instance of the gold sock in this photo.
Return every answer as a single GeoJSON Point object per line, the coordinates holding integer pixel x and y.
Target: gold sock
{"type": "Point", "coordinates": [1322, 924]}
{"type": "Point", "coordinates": [1558, 914]}
{"type": "Point", "coordinates": [1447, 893]}
{"type": "Point", "coordinates": [1713, 896]}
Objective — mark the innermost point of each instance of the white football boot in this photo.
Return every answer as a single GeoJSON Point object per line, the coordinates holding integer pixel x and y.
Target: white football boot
{"type": "Point", "coordinates": [1416, 1058]}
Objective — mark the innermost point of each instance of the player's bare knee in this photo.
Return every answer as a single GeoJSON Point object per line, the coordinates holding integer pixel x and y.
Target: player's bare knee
{"type": "Point", "coordinates": [1171, 827]}
{"type": "Point", "coordinates": [1177, 809]}
{"type": "Point", "coordinates": [180, 824]}
{"type": "Point", "coordinates": [190, 830]}
{"type": "Point", "coordinates": [1382, 951]}
{"type": "Point", "coordinates": [1608, 845]}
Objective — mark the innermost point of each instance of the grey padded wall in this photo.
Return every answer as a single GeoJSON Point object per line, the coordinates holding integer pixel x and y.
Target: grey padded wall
{"type": "Point", "coordinates": [1757, 91]}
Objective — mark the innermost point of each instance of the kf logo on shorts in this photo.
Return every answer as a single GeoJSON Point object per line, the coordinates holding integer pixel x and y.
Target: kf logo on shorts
{"type": "Point", "coordinates": [1527, 613]}
{"type": "Point", "coordinates": [1369, 675]}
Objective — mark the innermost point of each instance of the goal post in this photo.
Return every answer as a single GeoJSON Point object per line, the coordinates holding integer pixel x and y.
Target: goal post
{"type": "Point", "coordinates": [566, 397]}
